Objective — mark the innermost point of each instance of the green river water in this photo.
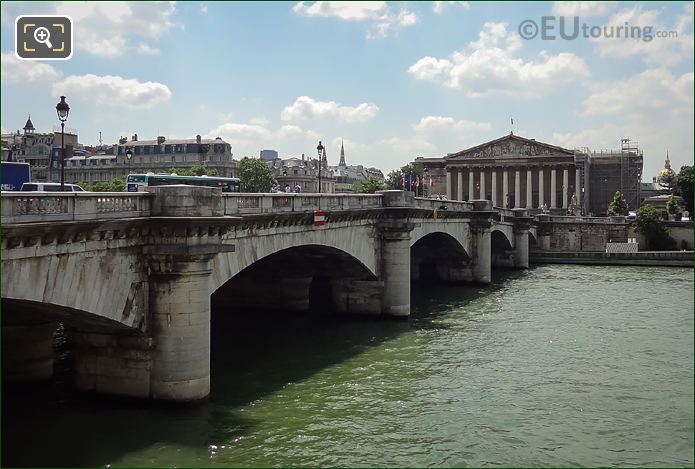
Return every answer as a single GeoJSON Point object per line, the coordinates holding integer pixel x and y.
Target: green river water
{"type": "Point", "coordinates": [554, 366]}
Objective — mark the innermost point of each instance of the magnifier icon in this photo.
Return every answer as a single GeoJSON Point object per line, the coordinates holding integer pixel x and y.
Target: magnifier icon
{"type": "Point", "coordinates": [43, 36]}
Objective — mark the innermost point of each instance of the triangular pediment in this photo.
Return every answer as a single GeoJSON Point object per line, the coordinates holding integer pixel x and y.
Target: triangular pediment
{"type": "Point", "coordinates": [510, 146]}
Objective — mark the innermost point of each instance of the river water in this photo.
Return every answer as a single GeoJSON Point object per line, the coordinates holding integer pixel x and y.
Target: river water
{"type": "Point", "coordinates": [554, 366]}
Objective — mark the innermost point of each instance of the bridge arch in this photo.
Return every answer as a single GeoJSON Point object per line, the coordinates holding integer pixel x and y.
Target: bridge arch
{"type": "Point", "coordinates": [501, 249]}
{"type": "Point", "coordinates": [439, 256]}
{"type": "Point", "coordinates": [248, 251]}
{"type": "Point", "coordinates": [296, 278]}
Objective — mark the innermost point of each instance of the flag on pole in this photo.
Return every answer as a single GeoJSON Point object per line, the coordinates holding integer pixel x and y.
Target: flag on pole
{"type": "Point", "coordinates": [402, 182]}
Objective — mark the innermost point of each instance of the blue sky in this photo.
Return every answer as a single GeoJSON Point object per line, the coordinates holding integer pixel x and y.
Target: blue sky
{"type": "Point", "coordinates": [394, 80]}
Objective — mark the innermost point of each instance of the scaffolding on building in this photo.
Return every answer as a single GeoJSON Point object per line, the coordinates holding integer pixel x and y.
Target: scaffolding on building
{"type": "Point", "coordinates": [604, 172]}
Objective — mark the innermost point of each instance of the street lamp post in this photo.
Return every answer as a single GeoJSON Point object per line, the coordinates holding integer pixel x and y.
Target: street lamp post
{"type": "Point", "coordinates": [128, 156]}
{"type": "Point", "coordinates": [63, 110]}
{"type": "Point", "coordinates": [320, 150]}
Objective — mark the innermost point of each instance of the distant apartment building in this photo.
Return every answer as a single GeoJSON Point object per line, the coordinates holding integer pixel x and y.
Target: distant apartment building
{"type": "Point", "coordinates": [37, 149]}
{"type": "Point", "coordinates": [155, 156]}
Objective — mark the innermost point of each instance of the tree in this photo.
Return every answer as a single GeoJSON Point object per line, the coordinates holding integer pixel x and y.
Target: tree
{"type": "Point", "coordinates": [368, 186]}
{"type": "Point", "coordinates": [408, 171]}
{"type": "Point", "coordinates": [685, 180]}
{"type": "Point", "coordinates": [117, 185]}
{"type": "Point", "coordinates": [255, 175]}
{"type": "Point", "coordinates": [195, 170]}
{"type": "Point", "coordinates": [648, 222]}
{"type": "Point", "coordinates": [672, 205]}
{"type": "Point", "coordinates": [619, 205]}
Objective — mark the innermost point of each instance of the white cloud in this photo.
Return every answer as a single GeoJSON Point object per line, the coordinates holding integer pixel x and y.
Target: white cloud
{"type": "Point", "coordinates": [488, 66]}
{"type": "Point", "coordinates": [203, 8]}
{"type": "Point", "coordinates": [584, 9]}
{"type": "Point", "coordinates": [654, 91]}
{"type": "Point", "coordinates": [146, 49]}
{"type": "Point", "coordinates": [231, 131]}
{"type": "Point", "coordinates": [432, 123]}
{"type": "Point", "coordinates": [15, 71]}
{"type": "Point", "coordinates": [656, 51]}
{"type": "Point", "coordinates": [305, 107]}
{"type": "Point", "coordinates": [294, 131]}
{"type": "Point", "coordinates": [105, 29]}
{"type": "Point", "coordinates": [654, 107]}
{"type": "Point", "coordinates": [380, 16]}
{"type": "Point", "coordinates": [410, 147]}
{"type": "Point", "coordinates": [113, 91]}
{"type": "Point", "coordinates": [440, 7]}
{"type": "Point", "coordinates": [255, 120]}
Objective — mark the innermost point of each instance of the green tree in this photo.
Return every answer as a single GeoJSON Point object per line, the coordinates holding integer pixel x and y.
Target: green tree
{"type": "Point", "coordinates": [672, 205]}
{"type": "Point", "coordinates": [685, 181]}
{"type": "Point", "coordinates": [195, 170]}
{"type": "Point", "coordinates": [619, 205]}
{"type": "Point", "coordinates": [368, 186]}
{"type": "Point", "coordinates": [393, 180]}
{"type": "Point", "coordinates": [255, 175]}
{"type": "Point", "coordinates": [117, 185]}
{"type": "Point", "coordinates": [648, 222]}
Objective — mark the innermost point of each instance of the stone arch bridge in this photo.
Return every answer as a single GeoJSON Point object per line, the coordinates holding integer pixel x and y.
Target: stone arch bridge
{"type": "Point", "coordinates": [132, 276]}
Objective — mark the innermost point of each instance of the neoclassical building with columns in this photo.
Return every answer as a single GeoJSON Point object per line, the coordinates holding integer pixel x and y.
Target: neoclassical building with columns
{"type": "Point", "coordinates": [515, 172]}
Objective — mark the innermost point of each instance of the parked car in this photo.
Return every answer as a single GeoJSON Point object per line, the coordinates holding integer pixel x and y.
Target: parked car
{"type": "Point", "coordinates": [49, 187]}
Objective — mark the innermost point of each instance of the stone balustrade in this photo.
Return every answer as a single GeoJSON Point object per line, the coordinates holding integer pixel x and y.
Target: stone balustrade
{"type": "Point", "coordinates": [243, 204]}
{"type": "Point", "coordinates": [36, 207]}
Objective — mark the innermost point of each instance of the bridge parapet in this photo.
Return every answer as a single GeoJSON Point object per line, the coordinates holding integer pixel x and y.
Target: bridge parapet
{"type": "Point", "coordinates": [454, 205]}
{"type": "Point", "coordinates": [28, 207]}
{"type": "Point", "coordinates": [242, 204]}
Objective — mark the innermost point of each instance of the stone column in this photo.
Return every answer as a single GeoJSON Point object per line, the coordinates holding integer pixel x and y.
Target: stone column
{"type": "Point", "coordinates": [565, 186]}
{"type": "Point", "coordinates": [180, 320]}
{"type": "Point", "coordinates": [471, 186]}
{"type": "Point", "coordinates": [459, 187]}
{"type": "Point", "coordinates": [505, 189]}
{"type": "Point", "coordinates": [481, 244]}
{"type": "Point", "coordinates": [27, 351]}
{"type": "Point", "coordinates": [395, 253]}
{"type": "Point", "coordinates": [553, 188]}
{"type": "Point", "coordinates": [521, 249]}
{"type": "Point", "coordinates": [522, 223]}
{"type": "Point", "coordinates": [529, 192]}
{"type": "Point", "coordinates": [482, 184]}
{"type": "Point", "coordinates": [541, 195]}
{"type": "Point", "coordinates": [395, 269]}
{"type": "Point", "coordinates": [494, 188]}
{"type": "Point", "coordinates": [517, 188]}
{"type": "Point", "coordinates": [449, 186]}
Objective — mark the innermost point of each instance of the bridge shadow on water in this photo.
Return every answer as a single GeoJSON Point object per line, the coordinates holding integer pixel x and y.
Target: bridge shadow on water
{"type": "Point", "coordinates": [253, 355]}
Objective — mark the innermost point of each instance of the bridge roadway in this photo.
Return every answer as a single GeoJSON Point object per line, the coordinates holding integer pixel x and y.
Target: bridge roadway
{"type": "Point", "coordinates": [132, 276]}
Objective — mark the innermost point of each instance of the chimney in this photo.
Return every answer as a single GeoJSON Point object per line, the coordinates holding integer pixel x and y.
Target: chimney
{"type": "Point", "coordinates": [302, 156]}
{"type": "Point", "coordinates": [135, 138]}
{"type": "Point", "coordinates": [654, 179]}
{"type": "Point", "coordinates": [160, 140]}
{"type": "Point", "coordinates": [197, 139]}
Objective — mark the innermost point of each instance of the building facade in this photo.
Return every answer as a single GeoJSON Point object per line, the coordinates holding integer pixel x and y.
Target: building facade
{"type": "Point", "coordinates": [517, 172]}
{"type": "Point", "coordinates": [155, 156]}
{"type": "Point", "coordinates": [38, 149]}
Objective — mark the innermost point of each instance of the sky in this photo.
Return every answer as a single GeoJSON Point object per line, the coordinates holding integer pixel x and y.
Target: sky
{"type": "Point", "coordinates": [394, 81]}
